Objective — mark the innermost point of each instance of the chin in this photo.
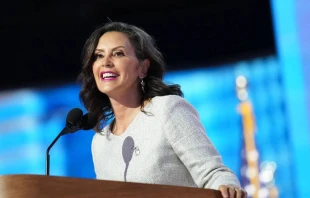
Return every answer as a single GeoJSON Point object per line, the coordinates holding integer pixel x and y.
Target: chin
{"type": "Point", "coordinates": [107, 92]}
{"type": "Point", "coordinates": [104, 90]}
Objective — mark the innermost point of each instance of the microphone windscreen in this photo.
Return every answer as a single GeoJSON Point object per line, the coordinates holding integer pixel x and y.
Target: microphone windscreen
{"type": "Point", "coordinates": [89, 121]}
{"type": "Point", "coordinates": [74, 117]}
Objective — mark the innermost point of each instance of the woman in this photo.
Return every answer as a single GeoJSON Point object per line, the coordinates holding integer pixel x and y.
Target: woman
{"type": "Point", "coordinates": [146, 131]}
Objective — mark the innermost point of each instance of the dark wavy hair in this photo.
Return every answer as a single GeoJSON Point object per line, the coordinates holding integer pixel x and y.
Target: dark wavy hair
{"type": "Point", "coordinates": [145, 48]}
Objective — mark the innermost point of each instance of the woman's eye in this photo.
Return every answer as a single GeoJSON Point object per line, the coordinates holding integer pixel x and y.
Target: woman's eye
{"type": "Point", "coordinates": [97, 56]}
{"type": "Point", "coordinates": [118, 53]}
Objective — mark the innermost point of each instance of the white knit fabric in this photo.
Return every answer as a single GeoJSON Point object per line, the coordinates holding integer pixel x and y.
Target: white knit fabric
{"type": "Point", "coordinates": [168, 145]}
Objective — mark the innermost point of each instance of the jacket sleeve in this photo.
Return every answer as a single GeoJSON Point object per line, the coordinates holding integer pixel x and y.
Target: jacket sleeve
{"type": "Point", "coordinates": [189, 140]}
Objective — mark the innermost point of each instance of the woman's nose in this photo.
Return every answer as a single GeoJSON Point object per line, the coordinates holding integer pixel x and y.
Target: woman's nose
{"type": "Point", "coordinates": [106, 62]}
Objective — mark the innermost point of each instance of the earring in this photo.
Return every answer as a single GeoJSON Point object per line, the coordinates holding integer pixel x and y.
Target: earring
{"type": "Point", "coordinates": [142, 85]}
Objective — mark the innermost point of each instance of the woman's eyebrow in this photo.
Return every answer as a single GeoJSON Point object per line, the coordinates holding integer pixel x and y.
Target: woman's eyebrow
{"type": "Point", "coordinates": [114, 48]}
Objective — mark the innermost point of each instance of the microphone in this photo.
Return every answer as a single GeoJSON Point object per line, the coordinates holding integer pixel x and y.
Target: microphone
{"type": "Point", "coordinates": [89, 121]}
{"type": "Point", "coordinates": [75, 120]}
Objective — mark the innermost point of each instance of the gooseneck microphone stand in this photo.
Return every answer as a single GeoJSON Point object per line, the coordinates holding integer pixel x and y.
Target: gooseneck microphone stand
{"type": "Point", "coordinates": [75, 121]}
{"type": "Point", "coordinates": [47, 162]}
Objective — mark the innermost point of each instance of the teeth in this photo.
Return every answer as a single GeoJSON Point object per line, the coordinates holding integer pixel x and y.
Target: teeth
{"type": "Point", "coordinates": [108, 75]}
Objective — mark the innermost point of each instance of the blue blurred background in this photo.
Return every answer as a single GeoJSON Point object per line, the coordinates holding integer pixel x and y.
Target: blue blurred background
{"type": "Point", "coordinates": [32, 115]}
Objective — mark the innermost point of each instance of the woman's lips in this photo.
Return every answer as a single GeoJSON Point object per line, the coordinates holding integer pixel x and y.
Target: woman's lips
{"type": "Point", "coordinates": [108, 75]}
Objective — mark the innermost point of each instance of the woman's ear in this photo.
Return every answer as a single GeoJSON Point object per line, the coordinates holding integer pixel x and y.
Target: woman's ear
{"type": "Point", "coordinates": [145, 64]}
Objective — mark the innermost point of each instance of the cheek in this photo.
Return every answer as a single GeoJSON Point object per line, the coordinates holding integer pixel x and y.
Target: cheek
{"type": "Point", "coordinates": [132, 73]}
{"type": "Point", "coordinates": [95, 69]}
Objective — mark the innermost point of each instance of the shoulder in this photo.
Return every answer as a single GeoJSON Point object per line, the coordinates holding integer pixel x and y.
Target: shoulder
{"type": "Point", "coordinates": [172, 101]}
{"type": "Point", "coordinates": [169, 100]}
{"type": "Point", "coordinates": [173, 104]}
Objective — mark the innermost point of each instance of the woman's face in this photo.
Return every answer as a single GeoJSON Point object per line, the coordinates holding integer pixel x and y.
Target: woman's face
{"type": "Point", "coordinates": [116, 68]}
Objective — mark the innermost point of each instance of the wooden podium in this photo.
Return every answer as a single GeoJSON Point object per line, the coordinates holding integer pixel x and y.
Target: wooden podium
{"type": "Point", "coordinates": [32, 186]}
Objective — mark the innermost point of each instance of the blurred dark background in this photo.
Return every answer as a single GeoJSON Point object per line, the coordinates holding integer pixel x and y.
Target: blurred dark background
{"type": "Point", "coordinates": [41, 41]}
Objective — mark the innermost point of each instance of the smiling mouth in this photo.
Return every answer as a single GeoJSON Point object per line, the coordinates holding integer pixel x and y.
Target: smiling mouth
{"type": "Point", "coordinates": [108, 76]}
